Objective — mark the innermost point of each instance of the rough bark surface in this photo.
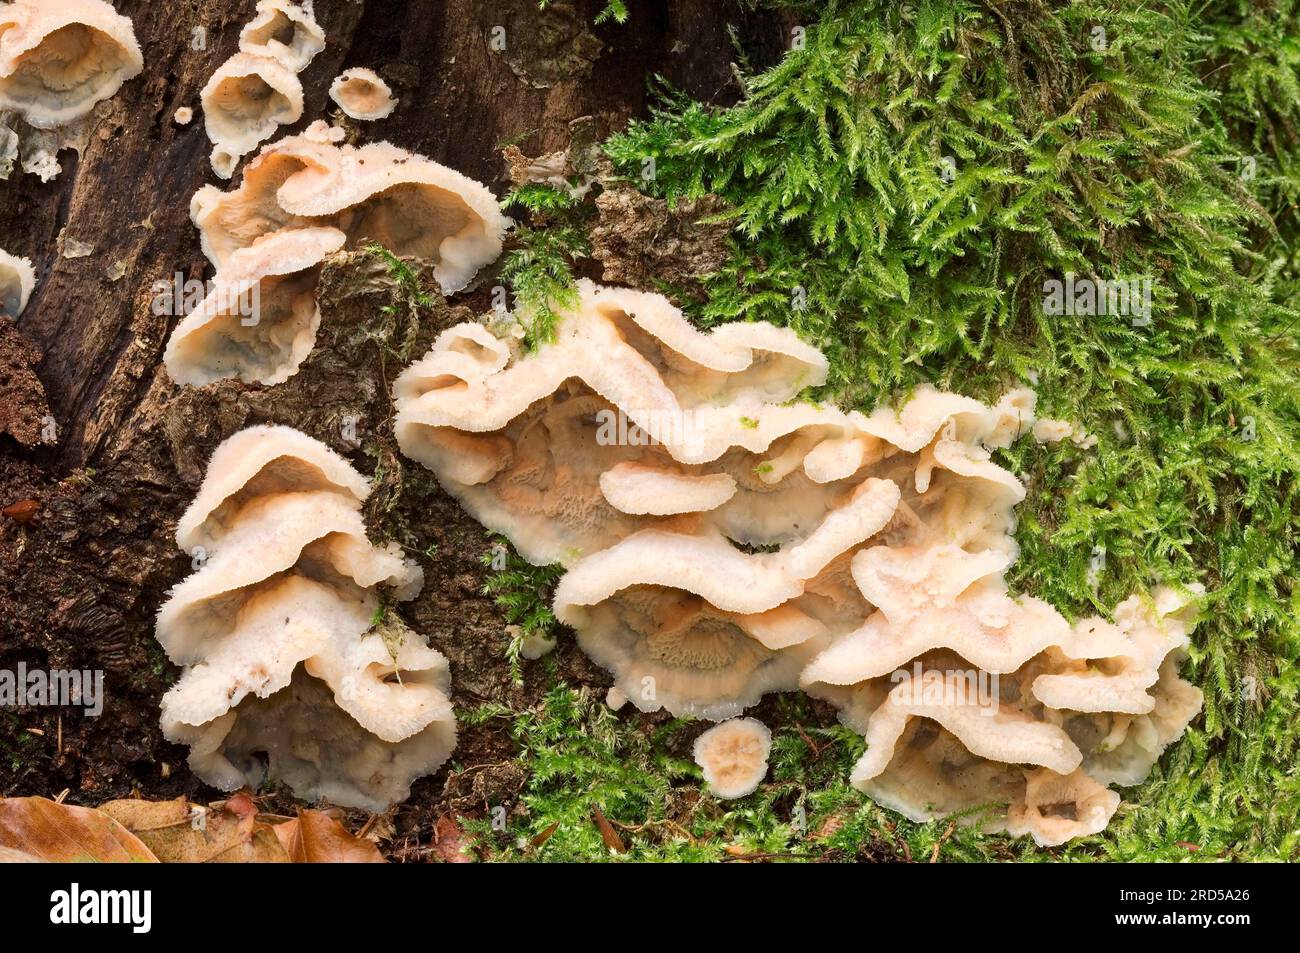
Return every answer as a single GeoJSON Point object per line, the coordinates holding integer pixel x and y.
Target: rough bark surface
{"type": "Point", "coordinates": [86, 540]}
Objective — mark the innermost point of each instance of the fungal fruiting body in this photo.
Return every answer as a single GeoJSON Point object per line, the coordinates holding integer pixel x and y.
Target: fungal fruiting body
{"type": "Point", "coordinates": [302, 199]}
{"type": "Point", "coordinates": [374, 193]}
{"type": "Point", "coordinates": [284, 31]}
{"type": "Point", "coordinates": [259, 322]}
{"type": "Point", "coordinates": [287, 673]}
{"type": "Point", "coordinates": [723, 539]}
{"type": "Point", "coordinates": [58, 58]}
{"type": "Point", "coordinates": [1017, 694]}
{"type": "Point", "coordinates": [257, 90]}
{"type": "Point", "coordinates": [362, 95]}
{"type": "Point", "coordinates": [17, 279]}
{"type": "Point", "coordinates": [246, 99]}
{"type": "Point", "coordinates": [630, 400]}
{"type": "Point", "coordinates": [733, 756]}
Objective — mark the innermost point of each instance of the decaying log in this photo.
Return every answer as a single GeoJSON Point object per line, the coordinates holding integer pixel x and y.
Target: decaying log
{"type": "Point", "coordinates": [86, 547]}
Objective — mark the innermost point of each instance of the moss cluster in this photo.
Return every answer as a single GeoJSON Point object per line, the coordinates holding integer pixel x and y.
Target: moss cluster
{"type": "Point", "coordinates": [902, 186]}
{"type": "Point", "coordinates": [614, 11]}
{"type": "Point", "coordinates": [539, 263]}
{"type": "Point", "coordinates": [523, 593]}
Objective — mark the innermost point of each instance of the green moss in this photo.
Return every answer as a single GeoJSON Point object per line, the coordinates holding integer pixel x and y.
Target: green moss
{"type": "Point", "coordinates": [636, 771]}
{"type": "Point", "coordinates": [539, 264]}
{"type": "Point", "coordinates": [399, 325]}
{"type": "Point", "coordinates": [523, 593]}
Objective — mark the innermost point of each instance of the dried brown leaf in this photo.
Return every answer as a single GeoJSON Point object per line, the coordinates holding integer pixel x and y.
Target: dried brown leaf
{"type": "Point", "coordinates": [608, 834]}
{"type": "Point", "coordinates": [450, 842]}
{"type": "Point", "coordinates": [179, 832]}
{"type": "Point", "coordinates": [545, 835]}
{"type": "Point", "coordinates": [313, 837]}
{"type": "Point", "coordinates": [64, 833]}
{"type": "Point", "coordinates": [24, 511]}
{"type": "Point", "coordinates": [10, 856]}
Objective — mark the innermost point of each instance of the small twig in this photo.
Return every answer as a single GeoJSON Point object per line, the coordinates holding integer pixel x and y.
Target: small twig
{"type": "Point", "coordinates": [816, 748]}
{"type": "Point", "coordinates": [731, 858]}
{"type": "Point", "coordinates": [934, 854]}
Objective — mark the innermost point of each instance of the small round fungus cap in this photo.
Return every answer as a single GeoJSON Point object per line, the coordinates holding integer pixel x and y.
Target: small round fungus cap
{"type": "Point", "coordinates": [733, 756]}
{"type": "Point", "coordinates": [284, 31]}
{"type": "Point", "coordinates": [361, 94]}
{"type": "Point", "coordinates": [535, 645]}
{"type": "Point", "coordinates": [58, 58]}
{"type": "Point", "coordinates": [1060, 807]}
{"type": "Point", "coordinates": [17, 279]}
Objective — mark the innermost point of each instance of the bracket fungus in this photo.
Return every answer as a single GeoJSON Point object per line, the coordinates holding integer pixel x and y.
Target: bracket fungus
{"type": "Point", "coordinates": [377, 192]}
{"type": "Point", "coordinates": [723, 539]}
{"type": "Point", "coordinates": [257, 90]}
{"type": "Point", "coordinates": [362, 95]}
{"type": "Point", "coordinates": [695, 625]}
{"type": "Point", "coordinates": [58, 58]}
{"type": "Point", "coordinates": [244, 102]}
{"type": "Point", "coordinates": [286, 674]}
{"type": "Point", "coordinates": [300, 200]}
{"type": "Point", "coordinates": [733, 756]}
{"type": "Point", "coordinates": [260, 320]}
{"type": "Point", "coordinates": [17, 280]}
{"type": "Point", "coordinates": [284, 31]}
{"type": "Point", "coordinates": [530, 446]}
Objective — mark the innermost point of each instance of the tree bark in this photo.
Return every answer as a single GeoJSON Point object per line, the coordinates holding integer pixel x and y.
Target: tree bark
{"type": "Point", "coordinates": [128, 193]}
